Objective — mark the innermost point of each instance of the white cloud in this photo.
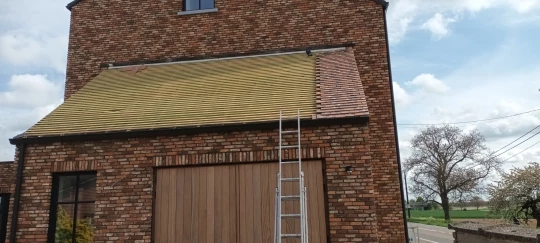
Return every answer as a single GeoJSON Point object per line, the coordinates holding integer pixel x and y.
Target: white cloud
{"type": "Point", "coordinates": [30, 91]}
{"type": "Point", "coordinates": [429, 84]}
{"type": "Point", "coordinates": [406, 15]}
{"type": "Point", "coordinates": [29, 98]}
{"type": "Point", "coordinates": [34, 34]}
{"type": "Point", "coordinates": [497, 84]}
{"type": "Point", "coordinates": [400, 15]}
{"type": "Point", "coordinates": [524, 6]}
{"type": "Point", "coordinates": [510, 127]}
{"type": "Point", "coordinates": [21, 49]}
{"type": "Point", "coordinates": [402, 98]}
{"type": "Point", "coordinates": [438, 25]}
{"type": "Point", "coordinates": [33, 39]}
{"type": "Point", "coordinates": [14, 121]}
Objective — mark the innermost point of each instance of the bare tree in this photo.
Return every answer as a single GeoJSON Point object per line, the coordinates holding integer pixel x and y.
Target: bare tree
{"type": "Point", "coordinates": [517, 194]}
{"type": "Point", "coordinates": [477, 202]}
{"type": "Point", "coordinates": [448, 162]}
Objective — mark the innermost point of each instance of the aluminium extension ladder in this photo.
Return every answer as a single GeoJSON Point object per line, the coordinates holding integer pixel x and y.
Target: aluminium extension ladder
{"type": "Point", "coordinates": [300, 199]}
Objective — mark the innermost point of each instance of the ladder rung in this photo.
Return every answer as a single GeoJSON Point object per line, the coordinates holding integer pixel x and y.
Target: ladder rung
{"type": "Point", "coordinates": [288, 117]}
{"type": "Point", "coordinates": [291, 216]}
{"type": "Point", "coordinates": [290, 198]}
{"type": "Point", "coordinates": [291, 235]}
{"type": "Point", "coordinates": [289, 146]}
{"type": "Point", "coordinates": [290, 179]}
{"type": "Point", "coordinates": [290, 131]}
{"type": "Point", "coordinates": [290, 162]}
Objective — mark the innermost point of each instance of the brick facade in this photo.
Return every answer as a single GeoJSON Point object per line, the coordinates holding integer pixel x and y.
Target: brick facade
{"type": "Point", "coordinates": [125, 177]}
{"type": "Point", "coordinates": [364, 206]}
{"type": "Point", "coordinates": [7, 176]}
{"type": "Point", "coordinates": [123, 31]}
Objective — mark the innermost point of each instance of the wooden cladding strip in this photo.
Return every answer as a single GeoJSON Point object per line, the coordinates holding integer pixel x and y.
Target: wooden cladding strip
{"type": "Point", "coordinates": [236, 157]}
{"type": "Point", "coordinates": [75, 166]}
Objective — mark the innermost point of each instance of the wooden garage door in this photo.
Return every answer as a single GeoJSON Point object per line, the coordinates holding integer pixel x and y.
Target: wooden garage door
{"type": "Point", "coordinates": [233, 203]}
{"type": "Point", "coordinates": [196, 205]}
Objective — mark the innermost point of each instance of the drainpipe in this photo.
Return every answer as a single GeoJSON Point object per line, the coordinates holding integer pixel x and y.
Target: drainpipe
{"type": "Point", "coordinates": [17, 198]}
{"type": "Point", "coordinates": [395, 127]}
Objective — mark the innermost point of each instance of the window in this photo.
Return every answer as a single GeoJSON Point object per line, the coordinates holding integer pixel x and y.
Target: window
{"type": "Point", "coordinates": [190, 5]}
{"type": "Point", "coordinates": [4, 206]}
{"type": "Point", "coordinates": [72, 208]}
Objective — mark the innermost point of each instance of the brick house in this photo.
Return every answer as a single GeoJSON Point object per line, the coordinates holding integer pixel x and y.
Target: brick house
{"type": "Point", "coordinates": [169, 129]}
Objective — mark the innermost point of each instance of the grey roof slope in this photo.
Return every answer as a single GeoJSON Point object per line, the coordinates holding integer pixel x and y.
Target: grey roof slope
{"type": "Point", "coordinates": [74, 2]}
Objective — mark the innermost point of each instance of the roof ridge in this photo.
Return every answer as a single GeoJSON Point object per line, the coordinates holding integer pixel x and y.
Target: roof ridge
{"type": "Point", "coordinates": [384, 3]}
{"type": "Point", "coordinates": [182, 59]}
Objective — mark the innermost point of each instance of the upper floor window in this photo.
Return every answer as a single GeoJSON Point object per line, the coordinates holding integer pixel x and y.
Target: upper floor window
{"type": "Point", "coordinates": [72, 208]}
{"type": "Point", "coordinates": [190, 5]}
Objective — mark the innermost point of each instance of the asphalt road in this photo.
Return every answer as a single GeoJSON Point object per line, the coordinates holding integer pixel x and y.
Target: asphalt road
{"type": "Point", "coordinates": [433, 234]}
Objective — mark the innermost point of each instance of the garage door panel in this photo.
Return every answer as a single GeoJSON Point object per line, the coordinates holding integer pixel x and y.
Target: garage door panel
{"type": "Point", "coordinates": [201, 216]}
{"type": "Point", "coordinates": [230, 207]}
{"type": "Point", "coordinates": [263, 192]}
{"type": "Point", "coordinates": [180, 202]}
{"type": "Point", "coordinates": [188, 201]}
{"type": "Point", "coordinates": [257, 202]}
{"type": "Point", "coordinates": [187, 204]}
{"type": "Point", "coordinates": [243, 210]}
{"type": "Point", "coordinates": [257, 195]}
{"type": "Point", "coordinates": [233, 203]}
{"type": "Point", "coordinates": [267, 185]}
{"type": "Point", "coordinates": [171, 225]}
{"type": "Point", "coordinates": [158, 224]}
{"type": "Point", "coordinates": [316, 205]}
{"type": "Point", "coordinates": [289, 170]}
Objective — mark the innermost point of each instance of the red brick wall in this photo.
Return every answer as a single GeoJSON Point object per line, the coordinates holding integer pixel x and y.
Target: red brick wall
{"type": "Point", "coordinates": [125, 176]}
{"type": "Point", "coordinates": [7, 176]}
{"type": "Point", "coordinates": [121, 31]}
{"type": "Point", "coordinates": [118, 31]}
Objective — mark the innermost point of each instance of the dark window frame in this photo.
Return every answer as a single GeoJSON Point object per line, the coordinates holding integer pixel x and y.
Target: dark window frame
{"type": "Point", "coordinates": [199, 8]}
{"type": "Point", "coordinates": [4, 208]}
{"type": "Point", "coordinates": [53, 215]}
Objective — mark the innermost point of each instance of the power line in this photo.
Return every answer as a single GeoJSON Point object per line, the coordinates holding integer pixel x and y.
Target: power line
{"type": "Point", "coordinates": [515, 140]}
{"type": "Point", "coordinates": [490, 157]}
{"type": "Point", "coordinates": [466, 122]}
{"type": "Point", "coordinates": [521, 151]}
{"type": "Point", "coordinates": [516, 145]}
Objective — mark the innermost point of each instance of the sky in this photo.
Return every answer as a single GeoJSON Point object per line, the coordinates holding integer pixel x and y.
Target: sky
{"type": "Point", "coordinates": [452, 61]}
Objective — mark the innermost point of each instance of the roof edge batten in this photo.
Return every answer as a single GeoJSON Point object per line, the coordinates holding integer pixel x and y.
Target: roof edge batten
{"type": "Point", "coordinates": [171, 131]}
{"type": "Point", "coordinates": [230, 58]}
{"type": "Point", "coordinates": [227, 55]}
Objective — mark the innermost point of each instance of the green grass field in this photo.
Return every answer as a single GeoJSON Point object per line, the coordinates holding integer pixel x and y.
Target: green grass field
{"type": "Point", "coordinates": [455, 214]}
{"type": "Point", "coordinates": [436, 217]}
{"type": "Point", "coordinates": [430, 221]}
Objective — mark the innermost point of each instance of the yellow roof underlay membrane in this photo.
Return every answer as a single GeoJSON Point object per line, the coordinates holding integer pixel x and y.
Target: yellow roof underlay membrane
{"type": "Point", "coordinates": [189, 94]}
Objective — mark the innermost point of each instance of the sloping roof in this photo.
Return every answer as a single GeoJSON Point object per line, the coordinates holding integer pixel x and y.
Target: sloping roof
{"type": "Point", "coordinates": [187, 94]}
{"type": "Point", "coordinates": [211, 93]}
{"type": "Point", "coordinates": [339, 89]}
{"type": "Point", "coordinates": [75, 2]}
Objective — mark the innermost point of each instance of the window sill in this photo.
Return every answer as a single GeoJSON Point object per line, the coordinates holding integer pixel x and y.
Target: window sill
{"type": "Point", "coordinates": [200, 11]}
